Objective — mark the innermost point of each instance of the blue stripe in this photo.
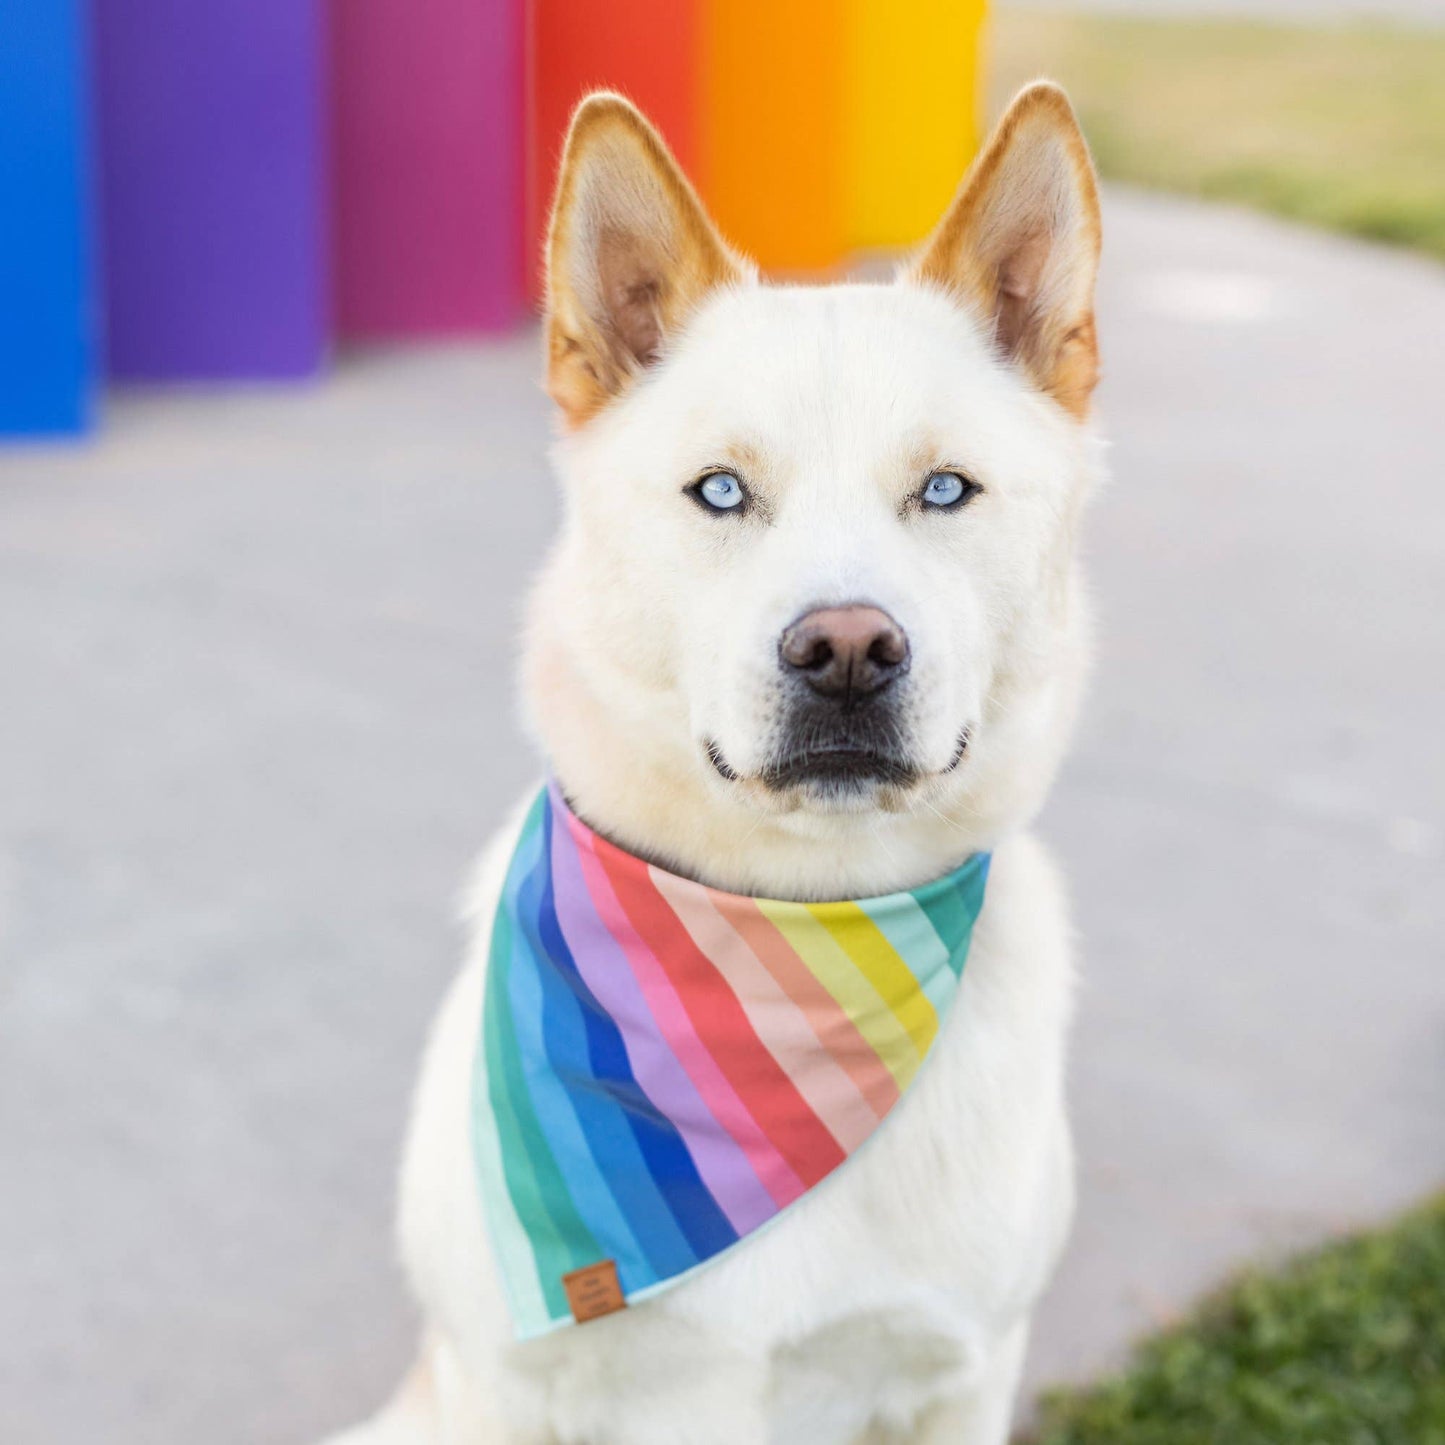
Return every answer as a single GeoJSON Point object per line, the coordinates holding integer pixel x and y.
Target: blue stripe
{"type": "Point", "coordinates": [589, 1194]}
{"type": "Point", "coordinates": [603, 1124]}
{"type": "Point", "coordinates": [556, 1233]}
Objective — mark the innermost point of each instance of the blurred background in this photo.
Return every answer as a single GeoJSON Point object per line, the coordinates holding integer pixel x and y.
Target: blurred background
{"type": "Point", "coordinates": [272, 479]}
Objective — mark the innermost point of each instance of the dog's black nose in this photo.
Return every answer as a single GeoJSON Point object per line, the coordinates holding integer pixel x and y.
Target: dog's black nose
{"type": "Point", "coordinates": [845, 653]}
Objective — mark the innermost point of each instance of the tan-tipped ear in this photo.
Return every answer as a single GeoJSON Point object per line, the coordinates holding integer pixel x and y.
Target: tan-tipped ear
{"type": "Point", "coordinates": [1020, 245]}
{"type": "Point", "coordinates": [630, 253]}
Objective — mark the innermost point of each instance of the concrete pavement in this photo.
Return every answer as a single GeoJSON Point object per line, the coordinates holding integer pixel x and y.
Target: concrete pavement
{"type": "Point", "coordinates": [256, 718]}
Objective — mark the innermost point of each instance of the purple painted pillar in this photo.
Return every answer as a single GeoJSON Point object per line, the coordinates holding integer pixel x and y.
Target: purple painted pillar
{"type": "Point", "coordinates": [212, 162]}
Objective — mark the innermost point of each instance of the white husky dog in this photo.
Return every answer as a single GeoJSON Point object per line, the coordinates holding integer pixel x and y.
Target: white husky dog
{"type": "Point", "coordinates": [898, 470]}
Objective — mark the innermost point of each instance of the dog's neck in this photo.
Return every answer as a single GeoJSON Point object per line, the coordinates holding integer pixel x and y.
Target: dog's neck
{"type": "Point", "coordinates": [629, 771]}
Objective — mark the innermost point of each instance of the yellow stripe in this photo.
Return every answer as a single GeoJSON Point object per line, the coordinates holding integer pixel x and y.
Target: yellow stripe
{"type": "Point", "coordinates": [868, 946]}
{"type": "Point", "coordinates": [845, 961]}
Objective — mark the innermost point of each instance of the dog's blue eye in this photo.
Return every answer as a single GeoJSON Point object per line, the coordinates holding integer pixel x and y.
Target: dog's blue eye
{"type": "Point", "coordinates": [947, 489]}
{"type": "Point", "coordinates": [721, 491]}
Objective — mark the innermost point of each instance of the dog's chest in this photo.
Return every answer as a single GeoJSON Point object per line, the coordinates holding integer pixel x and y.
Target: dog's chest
{"type": "Point", "coordinates": [881, 1293]}
{"type": "Point", "coordinates": [944, 1220]}
{"type": "Point", "coordinates": [898, 1274]}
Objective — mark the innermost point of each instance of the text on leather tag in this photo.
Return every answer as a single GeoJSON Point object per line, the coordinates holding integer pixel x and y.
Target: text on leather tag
{"type": "Point", "coordinates": [594, 1291]}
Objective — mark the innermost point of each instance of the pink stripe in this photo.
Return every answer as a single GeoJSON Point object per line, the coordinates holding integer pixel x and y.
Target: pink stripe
{"type": "Point", "coordinates": [776, 1176]}
{"type": "Point", "coordinates": [776, 1018]}
{"type": "Point", "coordinates": [722, 1166]}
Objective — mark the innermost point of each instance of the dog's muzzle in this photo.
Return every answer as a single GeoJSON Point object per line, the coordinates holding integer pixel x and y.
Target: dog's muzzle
{"type": "Point", "coordinates": [842, 667]}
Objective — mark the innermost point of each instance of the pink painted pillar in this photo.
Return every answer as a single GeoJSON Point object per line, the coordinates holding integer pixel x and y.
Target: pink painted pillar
{"type": "Point", "coordinates": [427, 165]}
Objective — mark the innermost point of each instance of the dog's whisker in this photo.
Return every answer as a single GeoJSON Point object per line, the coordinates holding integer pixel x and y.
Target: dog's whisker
{"type": "Point", "coordinates": [756, 824]}
{"type": "Point", "coordinates": [877, 832]}
{"type": "Point", "coordinates": [942, 818]}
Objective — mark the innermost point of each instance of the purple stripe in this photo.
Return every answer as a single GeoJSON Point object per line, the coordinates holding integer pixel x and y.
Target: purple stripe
{"type": "Point", "coordinates": [721, 1165]}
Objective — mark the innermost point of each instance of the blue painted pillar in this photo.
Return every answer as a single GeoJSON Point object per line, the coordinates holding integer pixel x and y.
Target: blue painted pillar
{"type": "Point", "coordinates": [47, 296]}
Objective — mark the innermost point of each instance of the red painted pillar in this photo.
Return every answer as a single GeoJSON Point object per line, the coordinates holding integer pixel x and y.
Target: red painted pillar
{"type": "Point", "coordinates": [647, 49]}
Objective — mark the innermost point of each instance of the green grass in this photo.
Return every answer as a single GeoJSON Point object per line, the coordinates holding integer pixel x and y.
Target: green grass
{"type": "Point", "coordinates": [1343, 1347]}
{"type": "Point", "coordinates": [1339, 126]}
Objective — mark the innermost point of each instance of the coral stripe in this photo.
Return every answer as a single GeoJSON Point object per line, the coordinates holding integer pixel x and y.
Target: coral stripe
{"type": "Point", "coordinates": [670, 1017]}
{"type": "Point", "coordinates": [721, 1024]}
{"type": "Point", "coordinates": [853, 989]}
{"type": "Point", "coordinates": [828, 1020]}
{"type": "Point", "coordinates": [776, 1018]}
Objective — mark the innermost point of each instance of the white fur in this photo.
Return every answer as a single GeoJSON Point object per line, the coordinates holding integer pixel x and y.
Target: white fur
{"type": "Point", "coordinates": [892, 1302]}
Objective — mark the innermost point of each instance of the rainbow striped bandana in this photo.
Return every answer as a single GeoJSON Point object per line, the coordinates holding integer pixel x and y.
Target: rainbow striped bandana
{"type": "Point", "coordinates": [664, 1068]}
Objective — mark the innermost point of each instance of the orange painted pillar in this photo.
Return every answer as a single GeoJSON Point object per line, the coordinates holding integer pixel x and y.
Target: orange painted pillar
{"type": "Point", "coordinates": [647, 49]}
{"type": "Point", "coordinates": [772, 160]}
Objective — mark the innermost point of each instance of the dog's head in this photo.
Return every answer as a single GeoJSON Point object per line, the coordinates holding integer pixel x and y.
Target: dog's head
{"type": "Point", "coordinates": [816, 560]}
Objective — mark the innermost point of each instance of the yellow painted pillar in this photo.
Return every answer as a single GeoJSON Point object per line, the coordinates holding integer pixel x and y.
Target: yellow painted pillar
{"type": "Point", "coordinates": [914, 74]}
{"type": "Point", "coordinates": [772, 157]}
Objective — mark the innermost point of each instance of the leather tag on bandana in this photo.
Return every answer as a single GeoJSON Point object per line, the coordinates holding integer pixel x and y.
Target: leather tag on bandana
{"type": "Point", "coordinates": [594, 1291]}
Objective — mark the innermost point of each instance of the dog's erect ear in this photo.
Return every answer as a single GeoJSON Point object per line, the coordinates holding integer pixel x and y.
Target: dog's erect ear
{"type": "Point", "coordinates": [1020, 245]}
{"type": "Point", "coordinates": [631, 252]}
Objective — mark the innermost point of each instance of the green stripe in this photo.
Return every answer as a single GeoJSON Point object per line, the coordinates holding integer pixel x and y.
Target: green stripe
{"type": "Point", "coordinates": [906, 926]}
{"type": "Point", "coordinates": [509, 1237]}
{"type": "Point", "coordinates": [560, 1240]}
{"type": "Point", "coordinates": [952, 910]}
